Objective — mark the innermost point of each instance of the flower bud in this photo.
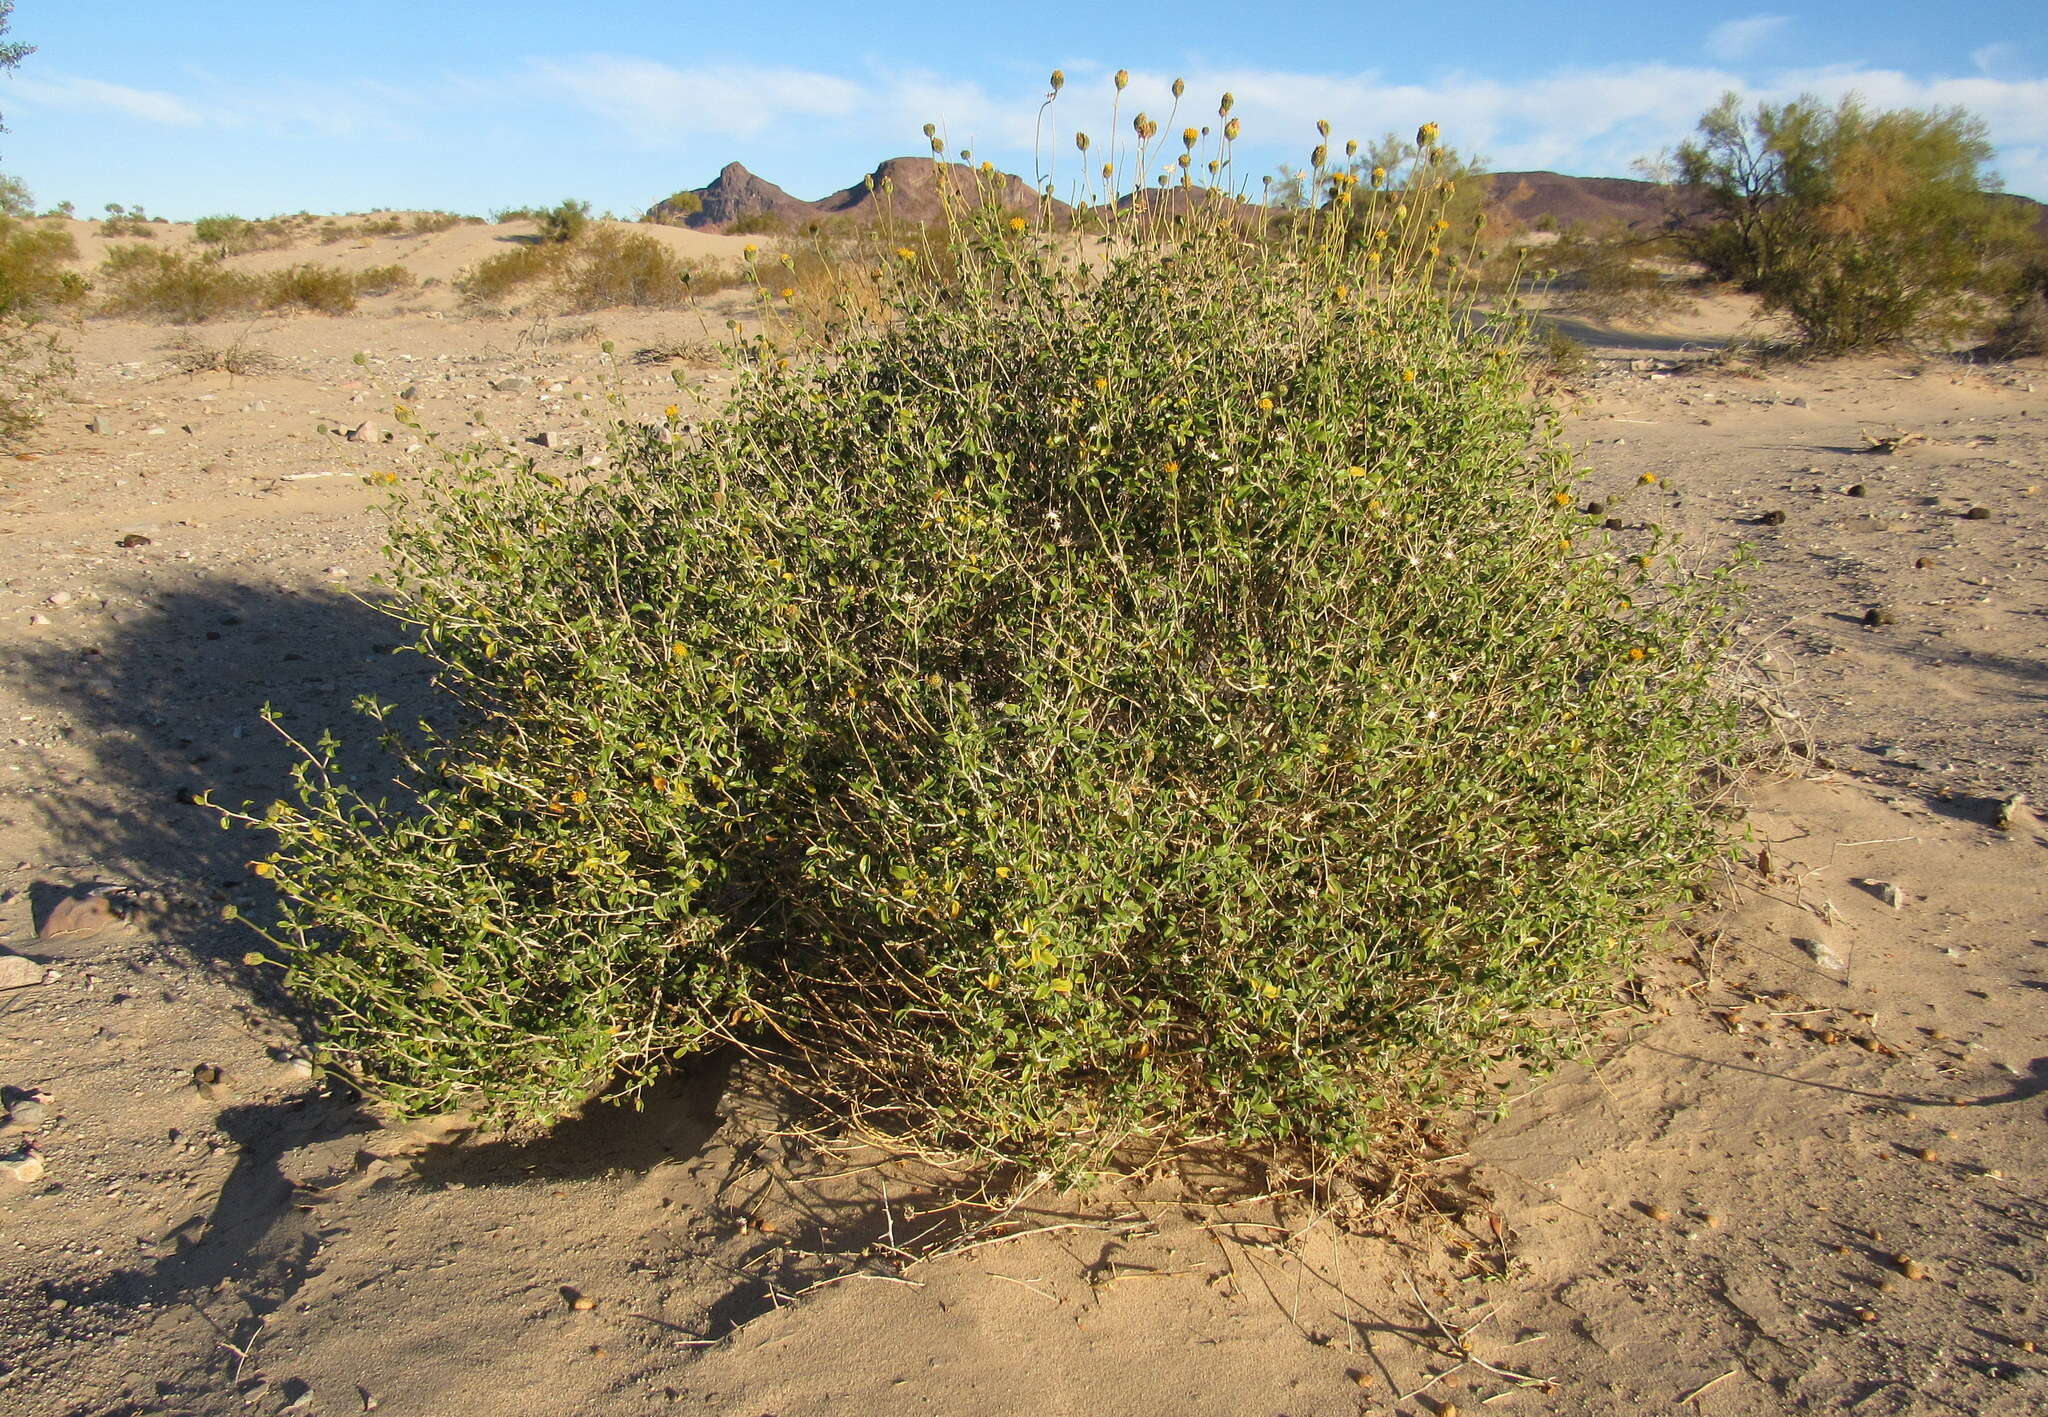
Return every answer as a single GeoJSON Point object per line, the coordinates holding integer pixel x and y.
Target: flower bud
{"type": "Point", "coordinates": [1223, 108]}
{"type": "Point", "coordinates": [1231, 130]}
{"type": "Point", "coordinates": [1123, 79]}
{"type": "Point", "coordinates": [1081, 141]}
{"type": "Point", "coordinates": [1323, 126]}
{"type": "Point", "coordinates": [1059, 80]}
{"type": "Point", "coordinates": [1425, 136]}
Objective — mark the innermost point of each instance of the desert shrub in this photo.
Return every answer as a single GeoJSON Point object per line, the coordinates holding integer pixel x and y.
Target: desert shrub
{"type": "Point", "coordinates": [127, 221]}
{"type": "Point", "coordinates": [188, 354]}
{"type": "Point", "coordinates": [1608, 279]}
{"type": "Point", "coordinates": [144, 282]}
{"type": "Point", "coordinates": [15, 198]}
{"type": "Point", "coordinates": [431, 223]}
{"type": "Point", "coordinates": [606, 266]}
{"type": "Point", "coordinates": [34, 363]}
{"type": "Point", "coordinates": [235, 236]}
{"type": "Point", "coordinates": [33, 277]}
{"type": "Point", "coordinates": [757, 224]}
{"type": "Point", "coordinates": [1160, 698]}
{"type": "Point", "coordinates": [510, 273]}
{"type": "Point", "coordinates": [678, 206]}
{"type": "Point", "coordinates": [325, 290]}
{"type": "Point", "coordinates": [565, 221]}
{"type": "Point", "coordinates": [383, 280]}
{"type": "Point", "coordinates": [1863, 228]}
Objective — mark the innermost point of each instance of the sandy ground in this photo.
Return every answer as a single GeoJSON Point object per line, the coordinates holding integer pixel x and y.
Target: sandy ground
{"type": "Point", "coordinates": [1807, 1175]}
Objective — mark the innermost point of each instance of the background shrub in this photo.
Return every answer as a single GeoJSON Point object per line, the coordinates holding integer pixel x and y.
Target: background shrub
{"type": "Point", "coordinates": [325, 290]}
{"type": "Point", "coordinates": [606, 266]}
{"type": "Point", "coordinates": [1864, 228]}
{"type": "Point", "coordinates": [1166, 698]}
{"type": "Point", "coordinates": [235, 236]}
{"type": "Point", "coordinates": [150, 283]}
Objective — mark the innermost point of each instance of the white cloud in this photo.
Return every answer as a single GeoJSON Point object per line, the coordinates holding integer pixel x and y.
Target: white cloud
{"type": "Point", "coordinates": [1738, 39]}
{"type": "Point", "coordinates": [657, 105]}
{"type": "Point", "coordinates": [85, 95]}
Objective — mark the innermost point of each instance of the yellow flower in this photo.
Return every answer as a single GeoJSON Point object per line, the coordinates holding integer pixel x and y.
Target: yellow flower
{"type": "Point", "coordinates": [1564, 543]}
{"type": "Point", "coordinates": [679, 650]}
{"type": "Point", "coordinates": [579, 797]}
{"type": "Point", "coordinates": [1265, 405]}
{"type": "Point", "coordinates": [906, 253]}
{"type": "Point", "coordinates": [1003, 872]}
{"type": "Point", "coordinates": [1101, 384]}
{"type": "Point", "coordinates": [1170, 467]}
{"type": "Point", "coordinates": [1379, 175]}
{"type": "Point", "coordinates": [1648, 479]}
{"type": "Point", "coordinates": [1123, 77]}
{"type": "Point", "coordinates": [1425, 136]}
{"type": "Point", "coordinates": [1354, 472]}
{"type": "Point", "coordinates": [1407, 376]}
{"type": "Point", "coordinates": [1232, 129]}
{"type": "Point", "coordinates": [262, 868]}
{"type": "Point", "coordinates": [750, 250]}
{"type": "Point", "coordinates": [788, 292]}
{"type": "Point", "coordinates": [1343, 292]}
{"type": "Point", "coordinates": [1563, 499]}
{"type": "Point", "coordinates": [1635, 653]}
{"type": "Point", "coordinates": [1190, 136]}
{"type": "Point", "coordinates": [1018, 223]}
{"type": "Point", "coordinates": [672, 412]}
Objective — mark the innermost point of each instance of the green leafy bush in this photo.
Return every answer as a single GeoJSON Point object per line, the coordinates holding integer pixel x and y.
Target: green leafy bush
{"type": "Point", "coordinates": [235, 236]}
{"type": "Point", "coordinates": [1863, 228]}
{"type": "Point", "coordinates": [325, 290]}
{"type": "Point", "coordinates": [34, 285]}
{"type": "Point", "coordinates": [1117, 703]}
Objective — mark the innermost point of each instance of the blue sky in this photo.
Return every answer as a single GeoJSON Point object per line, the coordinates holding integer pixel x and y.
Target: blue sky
{"type": "Point", "coordinates": [191, 107]}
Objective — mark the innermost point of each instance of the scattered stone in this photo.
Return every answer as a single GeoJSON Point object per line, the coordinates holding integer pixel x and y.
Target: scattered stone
{"type": "Point", "coordinates": [366, 432]}
{"type": "Point", "coordinates": [1774, 517]}
{"type": "Point", "coordinates": [1927, 1153]}
{"type": "Point", "coordinates": [1879, 615]}
{"type": "Point", "coordinates": [555, 440]}
{"type": "Point", "coordinates": [61, 597]}
{"type": "Point", "coordinates": [132, 540]}
{"type": "Point", "coordinates": [23, 1165]}
{"type": "Point", "coordinates": [29, 1112]}
{"type": "Point", "coordinates": [209, 1081]}
{"type": "Point", "coordinates": [511, 383]}
{"type": "Point", "coordinates": [1795, 403]}
{"type": "Point", "coordinates": [2013, 811]}
{"type": "Point", "coordinates": [99, 425]}
{"type": "Point", "coordinates": [1924, 563]}
{"type": "Point", "coordinates": [336, 572]}
{"type": "Point", "coordinates": [1889, 893]}
{"type": "Point", "coordinates": [1596, 509]}
{"type": "Point", "coordinates": [1823, 955]}
{"type": "Point", "coordinates": [583, 1303]}
{"type": "Point", "coordinates": [39, 619]}
{"type": "Point", "coordinates": [1977, 514]}
{"type": "Point", "coordinates": [1911, 1269]}
{"type": "Point", "coordinates": [80, 915]}
{"type": "Point", "coordinates": [1856, 489]}
{"type": "Point", "coordinates": [19, 972]}
{"type": "Point", "coordinates": [1656, 1212]}
{"type": "Point", "coordinates": [409, 393]}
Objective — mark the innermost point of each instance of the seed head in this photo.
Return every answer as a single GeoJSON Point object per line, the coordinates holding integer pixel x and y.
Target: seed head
{"type": "Point", "coordinates": [1351, 147]}
{"type": "Point", "coordinates": [1319, 156]}
{"type": "Point", "coordinates": [1123, 79]}
{"type": "Point", "coordinates": [1223, 108]}
{"type": "Point", "coordinates": [931, 130]}
{"type": "Point", "coordinates": [1081, 141]}
{"type": "Point", "coordinates": [1231, 130]}
{"type": "Point", "coordinates": [1180, 86]}
{"type": "Point", "coordinates": [1059, 80]}
{"type": "Point", "coordinates": [938, 145]}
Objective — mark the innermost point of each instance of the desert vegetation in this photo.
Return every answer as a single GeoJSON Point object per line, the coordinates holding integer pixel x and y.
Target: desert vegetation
{"type": "Point", "coordinates": [1862, 227]}
{"type": "Point", "coordinates": [601, 265]}
{"type": "Point", "coordinates": [151, 283]}
{"type": "Point", "coordinates": [1057, 726]}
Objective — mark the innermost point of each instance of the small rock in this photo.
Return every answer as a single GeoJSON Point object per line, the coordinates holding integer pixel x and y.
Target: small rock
{"type": "Point", "coordinates": [1924, 563]}
{"type": "Point", "coordinates": [408, 393]}
{"type": "Point", "coordinates": [1889, 893]}
{"type": "Point", "coordinates": [1823, 955]}
{"type": "Point", "coordinates": [98, 425]}
{"type": "Point", "coordinates": [1977, 514]}
{"type": "Point", "coordinates": [511, 383]}
{"type": "Point", "coordinates": [299, 1070]}
{"type": "Point", "coordinates": [209, 1082]}
{"type": "Point", "coordinates": [336, 572]}
{"type": "Point", "coordinates": [2013, 811]}
{"type": "Point", "coordinates": [29, 1112]}
{"type": "Point", "coordinates": [1795, 403]}
{"type": "Point", "coordinates": [1774, 518]}
{"type": "Point", "coordinates": [583, 1303]}
{"type": "Point", "coordinates": [80, 916]}
{"type": "Point", "coordinates": [554, 439]}
{"type": "Point", "coordinates": [39, 619]}
{"type": "Point", "coordinates": [61, 597]}
{"type": "Point", "coordinates": [1879, 615]}
{"type": "Point", "coordinates": [23, 1165]}
{"type": "Point", "coordinates": [1856, 489]}
{"type": "Point", "coordinates": [132, 540]}
{"type": "Point", "coordinates": [19, 972]}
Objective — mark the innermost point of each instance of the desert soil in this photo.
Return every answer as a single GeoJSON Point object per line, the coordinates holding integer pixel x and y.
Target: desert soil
{"type": "Point", "coordinates": [1805, 1175]}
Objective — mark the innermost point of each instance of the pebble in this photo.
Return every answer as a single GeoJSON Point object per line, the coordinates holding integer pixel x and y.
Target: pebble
{"type": "Point", "coordinates": [61, 597]}
{"type": "Point", "coordinates": [209, 1081]}
{"type": "Point", "coordinates": [1823, 956]}
{"type": "Point", "coordinates": [1977, 514]}
{"type": "Point", "coordinates": [29, 1112]}
{"type": "Point", "coordinates": [18, 972]}
{"type": "Point", "coordinates": [511, 383]}
{"type": "Point", "coordinates": [39, 619]}
{"type": "Point", "coordinates": [1928, 1153]}
{"type": "Point", "coordinates": [1774, 518]}
{"type": "Point", "coordinates": [2012, 811]}
{"type": "Point", "coordinates": [1888, 892]}
{"type": "Point", "coordinates": [98, 425]}
{"type": "Point", "coordinates": [1856, 489]}
{"type": "Point", "coordinates": [1879, 615]}
{"type": "Point", "coordinates": [366, 432]}
{"type": "Point", "coordinates": [132, 540]}
{"type": "Point", "coordinates": [583, 1303]}
{"type": "Point", "coordinates": [1656, 1212]}
{"type": "Point", "coordinates": [555, 439]}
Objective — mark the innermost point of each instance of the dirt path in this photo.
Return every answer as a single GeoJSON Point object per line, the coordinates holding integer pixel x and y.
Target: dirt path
{"type": "Point", "coordinates": [1810, 1178]}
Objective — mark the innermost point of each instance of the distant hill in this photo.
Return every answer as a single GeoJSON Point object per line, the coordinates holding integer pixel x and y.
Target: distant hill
{"type": "Point", "coordinates": [912, 185]}
{"type": "Point", "coordinates": [1547, 199]}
